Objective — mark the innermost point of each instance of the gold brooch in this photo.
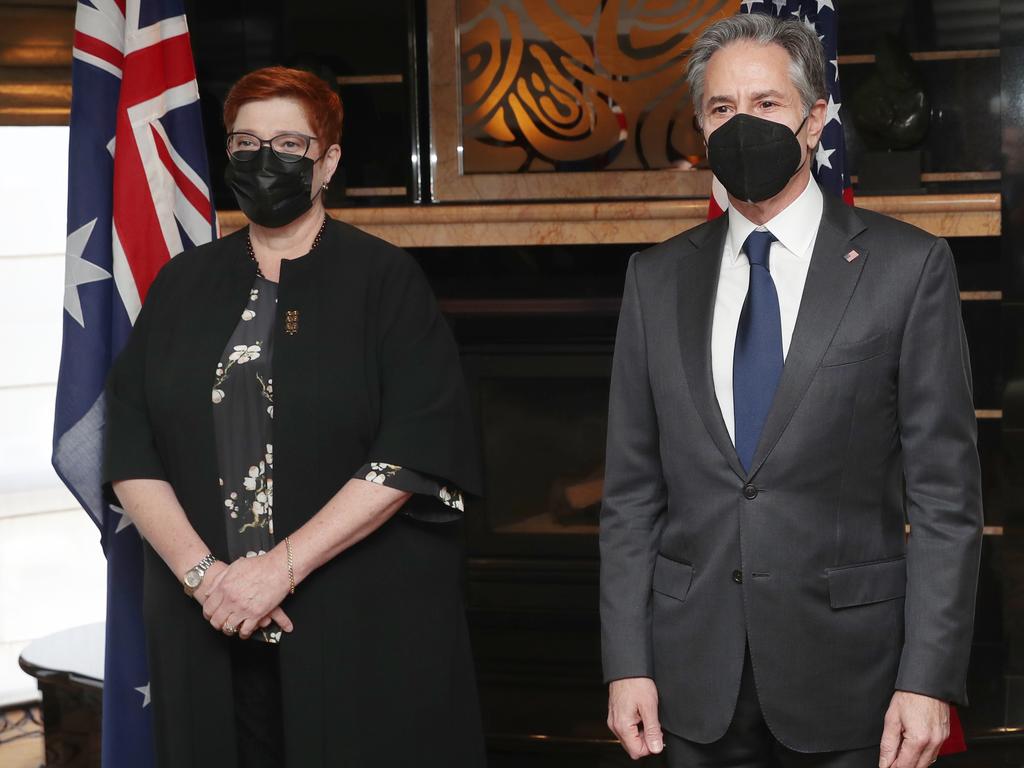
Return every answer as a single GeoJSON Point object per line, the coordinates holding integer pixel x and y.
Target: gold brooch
{"type": "Point", "coordinates": [291, 322]}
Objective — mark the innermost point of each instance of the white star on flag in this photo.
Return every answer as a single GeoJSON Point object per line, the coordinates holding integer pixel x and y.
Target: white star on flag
{"type": "Point", "coordinates": [748, 4]}
{"type": "Point", "coordinates": [780, 6]}
{"type": "Point", "coordinates": [835, 66]}
{"type": "Point", "coordinates": [124, 522]}
{"type": "Point", "coordinates": [144, 690]}
{"type": "Point", "coordinates": [825, 4]}
{"type": "Point", "coordinates": [78, 271]}
{"type": "Point", "coordinates": [833, 111]}
{"type": "Point", "coordinates": [822, 155]}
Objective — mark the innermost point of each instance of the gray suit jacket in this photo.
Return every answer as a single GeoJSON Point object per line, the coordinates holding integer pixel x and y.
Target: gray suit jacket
{"type": "Point", "coordinates": [805, 558]}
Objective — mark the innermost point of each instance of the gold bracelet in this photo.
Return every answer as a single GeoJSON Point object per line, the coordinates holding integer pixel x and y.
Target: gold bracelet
{"type": "Point", "coordinates": [291, 566]}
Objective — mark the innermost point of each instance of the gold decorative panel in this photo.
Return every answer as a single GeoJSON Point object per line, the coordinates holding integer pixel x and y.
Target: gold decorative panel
{"type": "Point", "coordinates": [555, 85]}
{"type": "Point", "coordinates": [556, 99]}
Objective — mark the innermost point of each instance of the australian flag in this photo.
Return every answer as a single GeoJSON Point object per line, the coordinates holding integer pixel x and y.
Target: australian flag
{"type": "Point", "coordinates": [829, 162]}
{"type": "Point", "coordinates": [138, 194]}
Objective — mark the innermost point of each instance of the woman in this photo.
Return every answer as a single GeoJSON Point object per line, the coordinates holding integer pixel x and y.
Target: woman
{"type": "Point", "coordinates": [289, 431]}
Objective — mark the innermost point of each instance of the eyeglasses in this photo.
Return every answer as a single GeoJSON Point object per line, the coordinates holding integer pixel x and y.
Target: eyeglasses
{"type": "Point", "coordinates": [289, 147]}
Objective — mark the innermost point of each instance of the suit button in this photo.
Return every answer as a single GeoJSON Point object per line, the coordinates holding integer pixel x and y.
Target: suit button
{"type": "Point", "coordinates": [749, 491]}
{"type": "Point", "coordinates": [737, 576]}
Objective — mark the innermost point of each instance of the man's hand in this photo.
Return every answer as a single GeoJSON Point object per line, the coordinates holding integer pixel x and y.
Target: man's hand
{"type": "Point", "coordinates": [915, 728]}
{"type": "Point", "coordinates": [633, 716]}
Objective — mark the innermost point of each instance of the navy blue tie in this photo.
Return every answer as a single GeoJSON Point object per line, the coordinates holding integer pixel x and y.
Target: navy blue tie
{"type": "Point", "coordinates": [757, 365]}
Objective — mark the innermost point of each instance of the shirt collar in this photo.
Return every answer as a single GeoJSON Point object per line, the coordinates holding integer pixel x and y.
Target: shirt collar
{"type": "Point", "coordinates": [794, 227]}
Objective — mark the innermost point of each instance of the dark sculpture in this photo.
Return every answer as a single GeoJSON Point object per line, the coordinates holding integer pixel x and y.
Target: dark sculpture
{"type": "Point", "coordinates": [891, 108]}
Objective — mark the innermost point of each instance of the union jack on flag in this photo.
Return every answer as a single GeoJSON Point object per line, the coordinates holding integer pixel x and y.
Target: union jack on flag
{"type": "Point", "coordinates": [829, 162]}
{"type": "Point", "coordinates": [138, 194]}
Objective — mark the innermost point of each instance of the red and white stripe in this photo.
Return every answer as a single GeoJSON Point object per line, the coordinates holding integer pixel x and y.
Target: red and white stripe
{"type": "Point", "coordinates": [155, 190]}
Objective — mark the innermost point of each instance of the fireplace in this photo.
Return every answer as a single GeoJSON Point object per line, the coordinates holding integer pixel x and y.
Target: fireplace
{"type": "Point", "coordinates": [543, 418]}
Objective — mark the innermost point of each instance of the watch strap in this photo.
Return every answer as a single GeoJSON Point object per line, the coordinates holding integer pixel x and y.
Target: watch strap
{"type": "Point", "coordinates": [199, 569]}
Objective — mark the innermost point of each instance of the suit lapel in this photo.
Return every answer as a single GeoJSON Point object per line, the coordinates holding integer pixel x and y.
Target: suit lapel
{"type": "Point", "coordinates": [697, 289]}
{"type": "Point", "coordinates": [831, 280]}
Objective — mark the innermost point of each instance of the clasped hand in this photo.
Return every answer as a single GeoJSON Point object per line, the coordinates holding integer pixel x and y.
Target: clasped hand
{"type": "Point", "coordinates": [246, 595]}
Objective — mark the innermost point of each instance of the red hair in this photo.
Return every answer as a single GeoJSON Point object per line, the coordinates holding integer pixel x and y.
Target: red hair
{"type": "Point", "coordinates": [320, 103]}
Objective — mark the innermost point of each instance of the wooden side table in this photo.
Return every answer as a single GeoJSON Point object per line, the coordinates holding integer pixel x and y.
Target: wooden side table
{"type": "Point", "coordinates": [68, 666]}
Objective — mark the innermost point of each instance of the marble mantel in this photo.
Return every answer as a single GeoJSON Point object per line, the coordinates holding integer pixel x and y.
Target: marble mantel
{"type": "Point", "coordinates": [649, 221]}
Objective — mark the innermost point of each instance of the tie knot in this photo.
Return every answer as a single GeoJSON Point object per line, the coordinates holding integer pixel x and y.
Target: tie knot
{"type": "Point", "coordinates": [757, 246]}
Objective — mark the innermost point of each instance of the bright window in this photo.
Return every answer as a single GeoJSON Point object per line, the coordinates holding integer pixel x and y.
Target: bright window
{"type": "Point", "coordinates": [52, 571]}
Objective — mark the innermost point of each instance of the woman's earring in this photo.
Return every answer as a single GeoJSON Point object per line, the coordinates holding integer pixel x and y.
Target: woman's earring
{"type": "Point", "coordinates": [323, 187]}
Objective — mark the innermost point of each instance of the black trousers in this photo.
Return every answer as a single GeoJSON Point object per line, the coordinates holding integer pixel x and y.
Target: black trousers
{"type": "Point", "coordinates": [255, 667]}
{"type": "Point", "coordinates": [748, 743]}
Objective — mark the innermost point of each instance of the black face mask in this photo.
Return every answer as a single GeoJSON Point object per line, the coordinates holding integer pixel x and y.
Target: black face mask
{"type": "Point", "coordinates": [754, 158]}
{"type": "Point", "coordinates": [270, 191]}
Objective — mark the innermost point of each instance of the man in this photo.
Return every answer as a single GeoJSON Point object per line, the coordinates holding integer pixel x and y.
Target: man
{"type": "Point", "coordinates": [791, 385]}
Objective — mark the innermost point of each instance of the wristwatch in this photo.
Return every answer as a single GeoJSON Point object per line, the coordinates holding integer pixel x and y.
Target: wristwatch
{"type": "Point", "coordinates": [194, 576]}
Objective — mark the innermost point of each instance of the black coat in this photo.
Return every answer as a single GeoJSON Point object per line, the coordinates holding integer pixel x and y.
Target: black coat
{"type": "Point", "coordinates": [378, 671]}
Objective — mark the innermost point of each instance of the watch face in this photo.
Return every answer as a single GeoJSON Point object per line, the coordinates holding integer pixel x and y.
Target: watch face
{"type": "Point", "coordinates": [193, 578]}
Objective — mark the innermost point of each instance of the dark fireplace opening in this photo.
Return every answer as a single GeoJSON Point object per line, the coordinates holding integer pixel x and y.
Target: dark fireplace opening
{"type": "Point", "coordinates": [543, 419]}
{"type": "Point", "coordinates": [544, 452]}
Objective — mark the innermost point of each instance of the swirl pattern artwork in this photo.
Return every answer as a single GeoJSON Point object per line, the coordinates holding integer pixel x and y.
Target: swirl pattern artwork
{"type": "Point", "coordinates": [579, 85]}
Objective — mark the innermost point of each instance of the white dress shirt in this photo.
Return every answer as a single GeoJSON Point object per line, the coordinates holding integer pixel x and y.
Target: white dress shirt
{"type": "Point", "coordinates": [795, 229]}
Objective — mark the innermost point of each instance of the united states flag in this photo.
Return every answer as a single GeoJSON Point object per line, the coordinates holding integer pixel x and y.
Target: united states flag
{"type": "Point", "coordinates": [138, 194]}
{"type": "Point", "coordinates": [829, 161]}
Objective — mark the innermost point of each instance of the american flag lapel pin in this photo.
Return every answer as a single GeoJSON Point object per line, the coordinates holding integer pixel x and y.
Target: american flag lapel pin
{"type": "Point", "coordinates": [851, 255]}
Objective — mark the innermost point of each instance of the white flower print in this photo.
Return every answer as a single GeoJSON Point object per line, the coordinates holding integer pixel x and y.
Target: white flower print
{"type": "Point", "coordinates": [262, 500]}
{"type": "Point", "coordinates": [392, 475]}
{"type": "Point", "coordinates": [267, 389]}
{"type": "Point", "coordinates": [243, 354]}
{"type": "Point", "coordinates": [451, 499]}
{"type": "Point", "coordinates": [246, 460]}
{"type": "Point", "coordinates": [232, 505]}
{"type": "Point", "coordinates": [380, 472]}
{"type": "Point", "coordinates": [254, 474]}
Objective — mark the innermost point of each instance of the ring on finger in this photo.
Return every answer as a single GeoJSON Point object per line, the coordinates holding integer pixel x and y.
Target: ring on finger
{"type": "Point", "coordinates": [230, 630]}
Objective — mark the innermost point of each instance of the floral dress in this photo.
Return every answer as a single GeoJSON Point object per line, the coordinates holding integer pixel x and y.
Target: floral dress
{"type": "Point", "coordinates": [243, 415]}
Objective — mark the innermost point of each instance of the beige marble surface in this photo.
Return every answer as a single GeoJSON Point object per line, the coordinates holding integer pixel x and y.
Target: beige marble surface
{"type": "Point", "coordinates": [648, 221]}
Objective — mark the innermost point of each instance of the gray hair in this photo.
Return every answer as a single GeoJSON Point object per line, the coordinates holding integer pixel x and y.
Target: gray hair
{"type": "Point", "coordinates": [806, 56]}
